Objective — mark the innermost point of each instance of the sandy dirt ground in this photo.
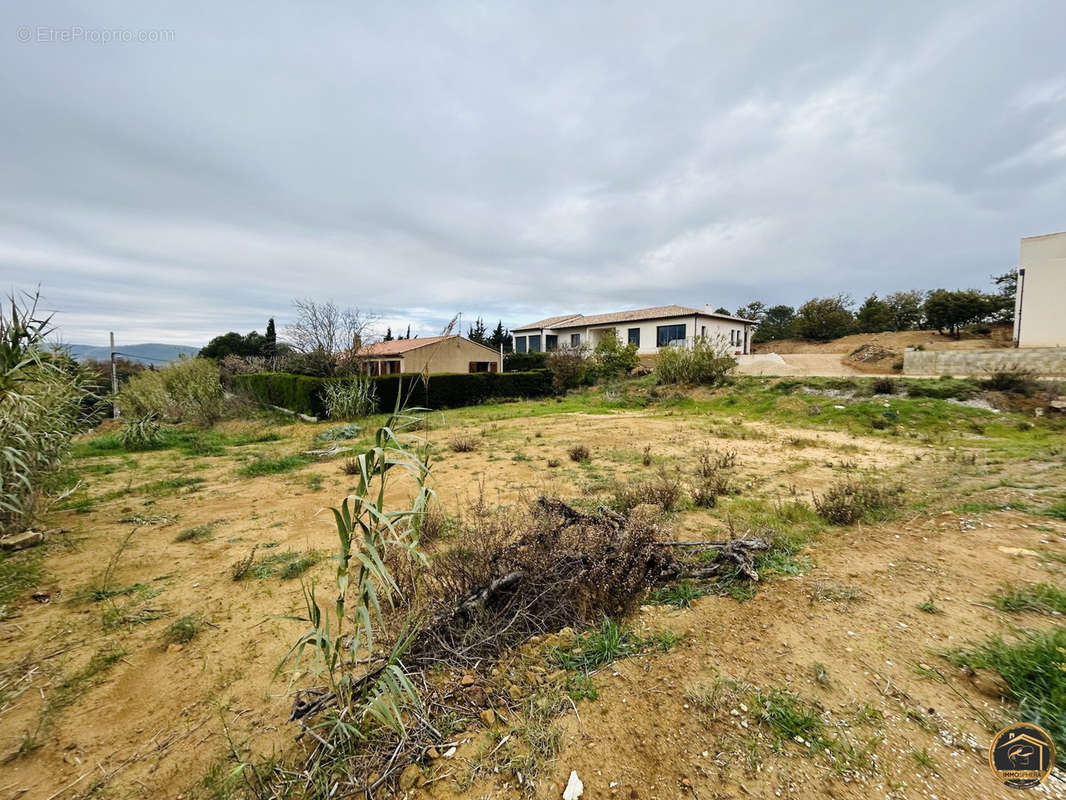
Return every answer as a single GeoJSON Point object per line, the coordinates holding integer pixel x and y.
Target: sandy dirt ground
{"type": "Point", "coordinates": [163, 716]}
{"type": "Point", "coordinates": [826, 365]}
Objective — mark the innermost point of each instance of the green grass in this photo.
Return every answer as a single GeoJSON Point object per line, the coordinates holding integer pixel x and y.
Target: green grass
{"type": "Point", "coordinates": [272, 466]}
{"type": "Point", "coordinates": [788, 716]}
{"type": "Point", "coordinates": [1043, 598]}
{"type": "Point", "coordinates": [600, 647]}
{"type": "Point", "coordinates": [679, 595]}
{"type": "Point", "coordinates": [608, 643]}
{"type": "Point", "coordinates": [19, 572]}
{"type": "Point", "coordinates": [199, 533]}
{"type": "Point", "coordinates": [1058, 511]}
{"type": "Point", "coordinates": [189, 441]}
{"type": "Point", "coordinates": [929, 607]}
{"type": "Point", "coordinates": [923, 758]}
{"type": "Point", "coordinates": [1033, 667]}
{"type": "Point", "coordinates": [287, 564]}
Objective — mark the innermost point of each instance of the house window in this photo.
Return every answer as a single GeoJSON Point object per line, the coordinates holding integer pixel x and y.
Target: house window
{"type": "Point", "coordinates": [666, 335]}
{"type": "Point", "coordinates": [520, 344]}
{"type": "Point", "coordinates": [703, 331]}
{"type": "Point", "coordinates": [575, 340]}
{"type": "Point", "coordinates": [481, 366]}
{"type": "Point", "coordinates": [551, 342]}
{"type": "Point", "coordinates": [534, 344]}
{"type": "Point", "coordinates": [634, 336]}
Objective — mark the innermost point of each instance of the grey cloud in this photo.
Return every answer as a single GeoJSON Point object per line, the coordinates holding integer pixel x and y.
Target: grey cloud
{"type": "Point", "coordinates": [516, 161]}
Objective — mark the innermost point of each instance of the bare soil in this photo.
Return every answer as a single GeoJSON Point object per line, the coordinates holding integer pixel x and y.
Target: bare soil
{"type": "Point", "coordinates": [891, 340]}
{"type": "Point", "coordinates": [166, 716]}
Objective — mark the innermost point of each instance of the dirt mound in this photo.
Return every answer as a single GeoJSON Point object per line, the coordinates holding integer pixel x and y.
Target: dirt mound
{"type": "Point", "coordinates": [873, 357]}
{"type": "Point", "coordinates": [891, 340]}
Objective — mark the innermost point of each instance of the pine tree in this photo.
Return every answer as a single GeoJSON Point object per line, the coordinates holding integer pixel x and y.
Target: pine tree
{"type": "Point", "coordinates": [270, 344]}
{"type": "Point", "coordinates": [408, 336]}
{"type": "Point", "coordinates": [500, 336]}
{"type": "Point", "coordinates": [388, 335]}
{"type": "Point", "coordinates": [477, 332]}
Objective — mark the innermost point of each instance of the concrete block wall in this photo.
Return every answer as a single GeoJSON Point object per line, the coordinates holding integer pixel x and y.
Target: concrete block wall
{"type": "Point", "coordinates": [1044, 361]}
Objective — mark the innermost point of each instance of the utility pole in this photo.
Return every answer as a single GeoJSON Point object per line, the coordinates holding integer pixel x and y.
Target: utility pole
{"type": "Point", "coordinates": [114, 378]}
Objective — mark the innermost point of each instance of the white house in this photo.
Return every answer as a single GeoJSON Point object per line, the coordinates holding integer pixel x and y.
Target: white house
{"type": "Point", "coordinates": [1038, 317]}
{"type": "Point", "coordinates": [648, 328]}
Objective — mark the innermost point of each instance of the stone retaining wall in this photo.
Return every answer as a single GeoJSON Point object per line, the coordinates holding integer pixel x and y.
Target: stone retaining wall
{"type": "Point", "coordinates": [1044, 361]}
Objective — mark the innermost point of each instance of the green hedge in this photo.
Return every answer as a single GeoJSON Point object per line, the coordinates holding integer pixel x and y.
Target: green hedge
{"type": "Point", "coordinates": [304, 394]}
{"type": "Point", "coordinates": [523, 362]}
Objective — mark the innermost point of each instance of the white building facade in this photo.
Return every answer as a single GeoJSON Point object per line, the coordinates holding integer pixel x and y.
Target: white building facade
{"type": "Point", "coordinates": [650, 329]}
{"type": "Point", "coordinates": [1039, 318]}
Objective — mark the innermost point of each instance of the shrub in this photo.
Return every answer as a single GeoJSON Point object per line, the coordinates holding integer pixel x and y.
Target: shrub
{"type": "Point", "coordinates": [40, 411]}
{"type": "Point", "coordinates": [706, 362]}
{"type": "Point", "coordinates": [569, 368]}
{"type": "Point", "coordinates": [187, 390]}
{"type": "Point", "coordinates": [463, 443]}
{"type": "Point", "coordinates": [611, 358]}
{"type": "Point", "coordinates": [852, 500]}
{"type": "Point", "coordinates": [579, 453]}
{"type": "Point", "coordinates": [351, 398]}
{"type": "Point", "coordinates": [884, 386]}
{"type": "Point", "coordinates": [1014, 380]}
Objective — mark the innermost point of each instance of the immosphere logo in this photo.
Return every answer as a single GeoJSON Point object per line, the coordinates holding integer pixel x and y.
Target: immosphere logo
{"type": "Point", "coordinates": [1022, 755]}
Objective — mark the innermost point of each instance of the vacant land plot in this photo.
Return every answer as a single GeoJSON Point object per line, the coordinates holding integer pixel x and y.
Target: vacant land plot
{"type": "Point", "coordinates": [140, 643]}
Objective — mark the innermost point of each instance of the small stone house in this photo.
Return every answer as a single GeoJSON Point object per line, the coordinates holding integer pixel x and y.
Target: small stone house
{"type": "Point", "coordinates": [434, 354]}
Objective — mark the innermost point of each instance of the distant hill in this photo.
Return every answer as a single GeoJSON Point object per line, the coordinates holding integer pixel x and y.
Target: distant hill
{"type": "Point", "coordinates": [152, 353]}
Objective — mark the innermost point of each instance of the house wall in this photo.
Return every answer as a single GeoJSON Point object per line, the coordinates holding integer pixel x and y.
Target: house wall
{"type": "Point", "coordinates": [451, 355]}
{"type": "Point", "coordinates": [694, 326]}
{"type": "Point", "coordinates": [1047, 362]}
{"type": "Point", "coordinates": [1039, 320]}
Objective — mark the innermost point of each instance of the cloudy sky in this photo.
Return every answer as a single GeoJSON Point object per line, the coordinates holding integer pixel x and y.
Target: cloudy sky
{"type": "Point", "coordinates": [516, 160]}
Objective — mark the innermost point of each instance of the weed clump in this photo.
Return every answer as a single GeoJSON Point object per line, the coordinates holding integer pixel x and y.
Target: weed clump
{"type": "Point", "coordinates": [463, 443]}
{"type": "Point", "coordinates": [664, 490]}
{"type": "Point", "coordinates": [713, 477]}
{"type": "Point", "coordinates": [1033, 668]}
{"type": "Point", "coordinates": [1042, 598]}
{"type": "Point", "coordinates": [196, 534]}
{"type": "Point", "coordinates": [850, 501]}
{"type": "Point", "coordinates": [184, 629]}
{"type": "Point", "coordinates": [579, 453]}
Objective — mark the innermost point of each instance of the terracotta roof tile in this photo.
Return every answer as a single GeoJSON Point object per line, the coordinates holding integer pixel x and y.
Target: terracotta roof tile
{"type": "Point", "coordinates": [634, 315]}
{"type": "Point", "coordinates": [399, 346]}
